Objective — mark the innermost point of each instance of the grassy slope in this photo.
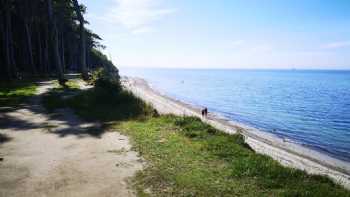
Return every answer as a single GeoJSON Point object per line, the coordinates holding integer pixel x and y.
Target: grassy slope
{"type": "Point", "coordinates": [189, 158]}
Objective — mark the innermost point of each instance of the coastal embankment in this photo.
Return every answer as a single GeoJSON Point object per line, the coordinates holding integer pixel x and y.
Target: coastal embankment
{"type": "Point", "coordinates": [285, 152]}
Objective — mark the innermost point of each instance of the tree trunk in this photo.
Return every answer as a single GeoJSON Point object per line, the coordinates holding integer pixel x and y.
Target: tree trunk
{"type": "Point", "coordinates": [7, 49]}
{"type": "Point", "coordinates": [12, 50]}
{"type": "Point", "coordinates": [30, 48]}
{"type": "Point", "coordinates": [3, 71]}
{"type": "Point", "coordinates": [62, 53]}
{"type": "Point", "coordinates": [88, 57]}
{"type": "Point", "coordinates": [54, 41]}
{"type": "Point", "coordinates": [9, 52]}
{"type": "Point", "coordinates": [46, 62]}
{"type": "Point", "coordinates": [40, 53]}
{"type": "Point", "coordinates": [82, 46]}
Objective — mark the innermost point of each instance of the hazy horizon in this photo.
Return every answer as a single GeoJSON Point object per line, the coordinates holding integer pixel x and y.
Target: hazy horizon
{"type": "Point", "coordinates": [227, 68]}
{"type": "Point", "coordinates": [233, 34]}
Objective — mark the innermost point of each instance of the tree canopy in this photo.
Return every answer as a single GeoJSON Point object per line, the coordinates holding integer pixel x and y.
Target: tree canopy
{"type": "Point", "coordinates": [45, 38]}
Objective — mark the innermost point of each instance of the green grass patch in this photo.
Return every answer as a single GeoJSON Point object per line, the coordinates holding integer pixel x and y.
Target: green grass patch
{"type": "Point", "coordinates": [191, 158]}
{"type": "Point", "coordinates": [14, 93]}
{"type": "Point", "coordinates": [55, 97]}
{"type": "Point", "coordinates": [71, 84]}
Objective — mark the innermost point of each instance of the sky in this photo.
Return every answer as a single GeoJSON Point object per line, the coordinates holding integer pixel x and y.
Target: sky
{"type": "Point", "coordinates": [277, 34]}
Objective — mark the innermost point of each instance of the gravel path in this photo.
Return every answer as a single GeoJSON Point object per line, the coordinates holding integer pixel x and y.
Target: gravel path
{"type": "Point", "coordinates": [54, 155]}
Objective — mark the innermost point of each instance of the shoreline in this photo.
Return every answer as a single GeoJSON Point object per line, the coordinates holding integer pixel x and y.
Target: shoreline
{"type": "Point", "coordinates": [287, 153]}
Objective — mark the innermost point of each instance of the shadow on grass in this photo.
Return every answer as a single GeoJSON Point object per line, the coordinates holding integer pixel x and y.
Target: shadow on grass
{"type": "Point", "coordinates": [16, 96]}
{"type": "Point", "coordinates": [101, 105]}
{"type": "Point", "coordinates": [14, 93]}
{"type": "Point", "coordinates": [104, 105]}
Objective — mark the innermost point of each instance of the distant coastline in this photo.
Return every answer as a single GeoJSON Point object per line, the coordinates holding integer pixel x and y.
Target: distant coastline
{"type": "Point", "coordinates": [287, 153]}
{"type": "Point", "coordinates": [244, 69]}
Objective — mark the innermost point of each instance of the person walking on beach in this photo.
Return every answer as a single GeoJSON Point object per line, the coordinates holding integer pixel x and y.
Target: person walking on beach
{"type": "Point", "coordinates": [205, 112]}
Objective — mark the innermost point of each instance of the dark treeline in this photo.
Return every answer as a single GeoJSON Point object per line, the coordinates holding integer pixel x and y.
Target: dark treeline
{"type": "Point", "coordinates": [45, 38]}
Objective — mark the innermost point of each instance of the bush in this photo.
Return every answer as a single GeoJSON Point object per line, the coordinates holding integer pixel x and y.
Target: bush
{"type": "Point", "coordinates": [107, 78]}
{"type": "Point", "coordinates": [193, 127]}
{"type": "Point", "coordinates": [107, 101]}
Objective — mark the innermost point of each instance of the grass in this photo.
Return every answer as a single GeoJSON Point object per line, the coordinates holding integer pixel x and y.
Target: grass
{"type": "Point", "coordinates": [190, 158]}
{"type": "Point", "coordinates": [99, 104]}
{"type": "Point", "coordinates": [70, 84]}
{"type": "Point", "coordinates": [187, 157]}
{"type": "Point", "coordinates": [53, 99]}
{"type": "Point", "coordinates": [15, 93]}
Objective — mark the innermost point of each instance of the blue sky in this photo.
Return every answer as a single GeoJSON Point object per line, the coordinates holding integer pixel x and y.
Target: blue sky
{"type": "Point", "coordinates": [303, 34]}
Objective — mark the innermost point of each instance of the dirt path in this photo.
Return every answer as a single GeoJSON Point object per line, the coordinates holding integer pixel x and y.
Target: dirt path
{"type": "Point", "coordinates": [53, 155]}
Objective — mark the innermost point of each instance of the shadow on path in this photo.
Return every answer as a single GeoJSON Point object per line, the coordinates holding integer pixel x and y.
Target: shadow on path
{"type": "Point", "coordinates": [31, 115]}
{"type": "Point", "coordinates": [4, 138]}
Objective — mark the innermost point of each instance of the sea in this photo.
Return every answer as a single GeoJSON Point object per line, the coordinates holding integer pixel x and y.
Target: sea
{"type": "Point", "coordinates": [307, 107]}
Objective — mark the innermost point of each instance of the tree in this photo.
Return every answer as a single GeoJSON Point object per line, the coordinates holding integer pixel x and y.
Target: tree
{"type": "Point", "coordinates": [54, 42]}
{"type": "Point", "coordinates": [46, 37]}
{"type": "Point", "coordinates": [9, 56]}
{"type": "Point", "coordinates": [82, 46]}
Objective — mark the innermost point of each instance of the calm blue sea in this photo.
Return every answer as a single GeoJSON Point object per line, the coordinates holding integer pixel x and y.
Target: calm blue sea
{"type": "Point", "coordinates": [309, 107]}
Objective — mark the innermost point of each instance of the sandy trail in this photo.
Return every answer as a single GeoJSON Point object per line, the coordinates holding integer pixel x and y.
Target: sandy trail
{"type": "Point", "coordinates": [58, 155]}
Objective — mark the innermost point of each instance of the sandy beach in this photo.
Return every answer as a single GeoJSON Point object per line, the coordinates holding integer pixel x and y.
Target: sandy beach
{"type": "Point", "coordinates": [287, 153]}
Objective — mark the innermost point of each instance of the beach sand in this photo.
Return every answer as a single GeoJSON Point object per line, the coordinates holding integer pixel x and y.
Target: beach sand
{"type": "Point", "coordinates": [287, 153]}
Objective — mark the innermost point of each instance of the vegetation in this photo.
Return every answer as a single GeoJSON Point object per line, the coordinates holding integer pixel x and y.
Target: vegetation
{"type": "Point", "coordinates": [88, 103]}
{"type": "Point", "coordinates": [14, 93]}
{"type": "Point", "coordinates": [187, 157]}
{"type": "Point", "coordinates": [45, 38]}
{"type": "Point", "coordinates": [190, 158]}
{"type": "Point", "coordinates": [53, 99]}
